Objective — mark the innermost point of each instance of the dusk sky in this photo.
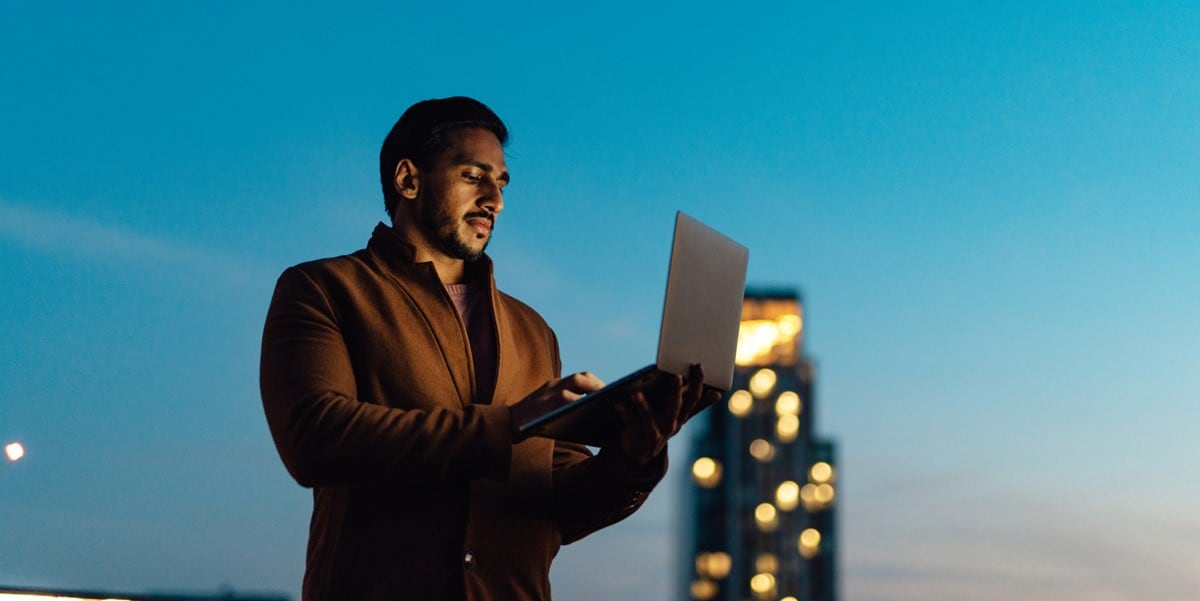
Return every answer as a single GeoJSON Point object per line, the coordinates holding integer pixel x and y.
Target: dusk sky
{"type": "Point", "coordinates": [991, 210]}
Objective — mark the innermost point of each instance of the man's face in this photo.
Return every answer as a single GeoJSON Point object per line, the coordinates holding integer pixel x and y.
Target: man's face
{"type": "Point", "coordinates": [462, 192]}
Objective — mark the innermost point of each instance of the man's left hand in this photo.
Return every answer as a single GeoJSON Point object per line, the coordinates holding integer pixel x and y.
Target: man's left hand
{"type": "Point", "coordinates": [648, 424]}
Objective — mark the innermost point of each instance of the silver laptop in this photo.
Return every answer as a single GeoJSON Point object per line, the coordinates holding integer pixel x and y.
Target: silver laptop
{"type": "Point", "coordinates": [701, 314]}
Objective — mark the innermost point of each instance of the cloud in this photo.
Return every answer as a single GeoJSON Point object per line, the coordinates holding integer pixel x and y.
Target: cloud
{"type": "Point", "coordinates": [63, 234]}
{"type": "Point", "coordinates": [1018, 545]}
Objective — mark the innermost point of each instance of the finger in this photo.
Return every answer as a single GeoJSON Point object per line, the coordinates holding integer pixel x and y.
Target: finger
{"type": "Point", "coordinates": [642, 415]}
{"type": "Point", "coordinates": [707, 400]}
{"type": "Point", "coordinates": [666, 410]}
{"type": "Point", "coordinates": [693, 392]}
{"type": "Point", "coordinates": [582, 382]}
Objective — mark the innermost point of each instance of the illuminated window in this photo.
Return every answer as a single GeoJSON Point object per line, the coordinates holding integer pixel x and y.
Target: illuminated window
{"type": "Point", "coordinates": [787, 495]}
{"type": "Point", "coordinates": [14, 450]}
{"type": "Point", "coordinates": [761, 450]}
{"type": "Point", "coordinates": [787, 428]}
{"type": "Point", "coordinates": [824, 493]}
{"type": "Point", "coordinates": [788, 403]}
{"type": "Point", "coordinates": [770, 331]}
{"type": "Point", "coordinates": [766, 563]}
{"type": "Point", "coordinates": [821, 472]}
{"type": "Point", "coordinates": [809, 543]}
{"type": "Point", "coordinates": [762, 382]}
{"type": "Point", "coordinates": [740, 403]}
{"type": "Point", "coordinates": [816, 496]}
{"type": "Point", "coordinates": [766, 517]}
{"type": "Point", "coordinates": [714, 564]}
{"type": "Point", "coordinates": [706, 471]}
{"type": "Point", "coordinates": [703, 590]}
{"type": "Point", "coordinates": [763, 585]}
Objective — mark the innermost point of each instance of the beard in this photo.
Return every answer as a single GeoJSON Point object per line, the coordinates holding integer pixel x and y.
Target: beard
{"type": "Point", "coordinates": [438, 221]}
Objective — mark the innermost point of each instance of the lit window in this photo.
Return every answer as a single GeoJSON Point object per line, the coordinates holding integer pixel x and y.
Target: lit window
{"type": "Point", "coordinates": [740, 403]}
{"type": "Point", "coordinates": [706, 471]}
{"type": "Point", "coordinates": [788, 403]}
{"type": "Point", "coordinates": [766, 563]}
{"type": "Point", "coordinates": [824, 493]}
{"type": "Point", "coordinates": [788, 428]}
{"type": "Point", "coordinates": [763, 585]}
{"type": "Point", "coordinates": [809, 543]}
{"type": "Point", "coordinates": [821, 472]}
{"type": "Point", "coordinates": [787, 495]}
{"type": "Point", "coordinates": [769, 333]}
{"type": "Point", "coordinates": [808, 496]}
{"type": "Point", "coordinates": [762, 382]}
{"type": "Point", "coordinates": [703, 590]}
{"type": "Point", "coordinates": [714, 564]}
{"type": "Point", "coordinates": [766, 517]}
{"type": "Point", "coordinates": [761, 450]}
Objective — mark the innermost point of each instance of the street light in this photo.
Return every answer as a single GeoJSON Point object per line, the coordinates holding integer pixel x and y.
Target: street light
{"type": "Point", "coordinates": [14, 450]}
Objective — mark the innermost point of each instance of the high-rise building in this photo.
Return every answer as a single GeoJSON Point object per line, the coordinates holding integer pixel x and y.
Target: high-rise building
{"type": "Point", "coordinates": [760, 508]}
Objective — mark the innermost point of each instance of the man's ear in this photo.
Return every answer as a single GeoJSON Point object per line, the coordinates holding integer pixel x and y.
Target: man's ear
{"type": "Point", "coordinates": [407, 180]}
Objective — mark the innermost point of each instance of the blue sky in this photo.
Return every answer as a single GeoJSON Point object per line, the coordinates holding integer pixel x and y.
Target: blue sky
{"type": "Point", "coordinates": [990, 210]}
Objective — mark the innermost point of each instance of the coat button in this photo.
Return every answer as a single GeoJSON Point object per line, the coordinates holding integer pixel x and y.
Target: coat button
{"type": "Point", "coordinates": [468, 560]}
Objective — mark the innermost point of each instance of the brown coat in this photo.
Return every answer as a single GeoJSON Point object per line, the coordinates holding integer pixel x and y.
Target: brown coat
{"type": "Point", "coordinates": [419, 493]}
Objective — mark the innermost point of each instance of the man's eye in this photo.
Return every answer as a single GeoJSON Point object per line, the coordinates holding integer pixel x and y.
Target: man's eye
{"type": "Point", "coordinates": [471, 177]}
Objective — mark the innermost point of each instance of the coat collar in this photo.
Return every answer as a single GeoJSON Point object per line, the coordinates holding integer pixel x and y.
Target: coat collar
{"type": "Point", "coordinates": [420, 281]}
{"type": "Point", "coordinates": [393, 251]}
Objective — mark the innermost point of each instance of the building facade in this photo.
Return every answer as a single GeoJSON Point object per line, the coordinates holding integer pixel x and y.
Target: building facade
{"type": "Point", "coordinates": [761, 505]}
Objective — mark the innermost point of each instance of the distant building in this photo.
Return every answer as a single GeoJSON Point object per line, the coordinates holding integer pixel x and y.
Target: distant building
{"type": "Point", "coordinates": [760, 509]}
{"type": "Point", "coordinates": [45, 594]}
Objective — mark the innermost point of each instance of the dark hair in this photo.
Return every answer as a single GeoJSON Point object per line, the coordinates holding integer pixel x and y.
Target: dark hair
{"type": "Point", "coordinates": [422, 133]}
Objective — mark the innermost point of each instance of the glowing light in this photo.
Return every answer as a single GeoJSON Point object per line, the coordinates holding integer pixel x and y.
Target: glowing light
{"type": "Point", "coordinates": [809, 542]}
{"type": "Point", "coordinates": [787, 495]}
{"type": "Point", "coordinates": [766, 563]}
{"type": "Point", "coordinates": [761, 450]}
{"type": "Point", "coordinates": [821, 472]}
{"type": "Point", "coordinates": [703, 590]}
{"type": "Point", "coordinates": [706, 471]}
{"type": "Point", "coordinates": [762, 382]}
{"type": "Point", "coordinates": [756, 338]}
{"type": "Point", "coordinates": [768, 333]}
{"type": "Point", "coordinates": [766, 517]}
{"type": "Point", "coordinates": [740, 403]}
{"type": "Point", "coordinates": [815, 497]}
{"type": "Point", "coordinates": [789, 325]}
{"type": "Point", "coordinates": [14, 450]}
{"type": "Point", "coordinates": [824, 493]}
{"type": "Point", "coordinates": [788, 598]}
{"type": "Point", "coordinates": [48, 597]}
{"type": "Point", "coordinates": [715, 564]}
{"type": "Point", "coordinates": [762, 584]}
{"type": "Point", "coordinates": [788, 428]}
{"type": "Point", "coordinates": [788, 403]}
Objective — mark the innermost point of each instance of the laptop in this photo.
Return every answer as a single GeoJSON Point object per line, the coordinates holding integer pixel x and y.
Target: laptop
{"type": "Point", "coordinates": [702, 311]}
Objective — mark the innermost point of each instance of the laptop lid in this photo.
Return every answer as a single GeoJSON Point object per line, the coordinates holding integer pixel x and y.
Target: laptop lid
{"type": "Point", "coordinates": [702, 310]}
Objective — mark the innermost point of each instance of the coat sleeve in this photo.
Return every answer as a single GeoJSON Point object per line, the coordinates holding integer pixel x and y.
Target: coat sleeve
{"type": "Point", "coordinates": [595, 491]}
{"type": "Point", "coordinates": [327, 437]}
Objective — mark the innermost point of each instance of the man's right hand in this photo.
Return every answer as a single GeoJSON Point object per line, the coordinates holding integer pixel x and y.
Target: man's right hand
{"type": "Point", "coordinates": [552, 395]}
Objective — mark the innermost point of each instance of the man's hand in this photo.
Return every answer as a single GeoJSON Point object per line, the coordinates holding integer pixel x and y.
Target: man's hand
{"type": "Point", "coordinates": [552, 395]}
{"type": "Point", "coordinates": [648, 424]}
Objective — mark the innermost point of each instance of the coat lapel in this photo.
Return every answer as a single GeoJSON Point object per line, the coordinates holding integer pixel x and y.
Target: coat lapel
{"type": "Point", "coordinates": [506, 352]}
{"type": "Point", "coordinates": [420, 283]}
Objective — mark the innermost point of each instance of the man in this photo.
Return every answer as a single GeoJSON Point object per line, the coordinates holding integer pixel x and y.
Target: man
{"type": "Point", "coordinates": [393, 378]}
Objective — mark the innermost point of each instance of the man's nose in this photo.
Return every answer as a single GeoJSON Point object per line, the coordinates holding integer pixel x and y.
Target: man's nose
{"type": "Point", "coordinates": [493, 200]}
